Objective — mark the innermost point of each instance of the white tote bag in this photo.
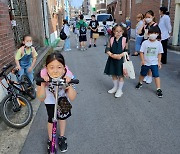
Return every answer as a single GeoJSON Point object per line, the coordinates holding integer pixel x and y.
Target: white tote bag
{"type": "Point", "coordinates": [128, 68]}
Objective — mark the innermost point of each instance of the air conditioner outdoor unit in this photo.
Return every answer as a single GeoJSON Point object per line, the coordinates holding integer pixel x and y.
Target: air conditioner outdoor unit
{"type": "Point", "coordinates": [120, 12]}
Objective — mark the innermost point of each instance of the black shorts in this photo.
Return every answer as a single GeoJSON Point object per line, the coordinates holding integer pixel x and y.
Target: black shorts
{"type": "Point", "coordinates": [50, 112]}
{"type": "Point", "coordinates": [82, 38]}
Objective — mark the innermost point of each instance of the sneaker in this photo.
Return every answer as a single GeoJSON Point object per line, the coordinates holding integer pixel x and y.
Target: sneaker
{"type": "Point", "coordinates": [94, 45]}
{"type": "Point", "coordinates": [62, 143]}
{"type": "Point", "coordinates": [118, 93]}
{"type": "Point", "coordinates": [145, 78]}
{"type": "Point", "coordinates": [82, 49]}
{"type": "Point", "coordinates": [139, 85]}
{"type": "Point", "coordinates": [77, 47]}
{"type": "Point", "coordinates": [159, 93]}
{"type": "Point", "coordinates": [112, 91]}
{"type": "Point", "coordinates": [48, 146]}
{"type": "Point", "coordinates": [149, 79]}
{"type": "Point", "coordinates": [89, 46]}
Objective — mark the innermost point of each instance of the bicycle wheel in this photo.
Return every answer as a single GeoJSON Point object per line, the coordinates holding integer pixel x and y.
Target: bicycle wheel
{"type": "Point", "coordinates": [28, 86]}
{"type": "Point", "coordinates": [16, 112]}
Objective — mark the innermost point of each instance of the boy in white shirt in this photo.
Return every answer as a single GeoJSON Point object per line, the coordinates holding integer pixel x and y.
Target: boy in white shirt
{"type": "Point", "coordinates": [150, 54]}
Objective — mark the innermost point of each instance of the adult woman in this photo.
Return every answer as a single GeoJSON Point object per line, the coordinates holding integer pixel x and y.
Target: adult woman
{"type": "Point", "coordinates": [165, 26]}
{"type": "Point", "coordinates": [139, 38]}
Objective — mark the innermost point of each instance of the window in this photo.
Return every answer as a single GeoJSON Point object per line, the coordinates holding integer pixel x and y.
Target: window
{"type": "Point", "coordinates": [104, 18]}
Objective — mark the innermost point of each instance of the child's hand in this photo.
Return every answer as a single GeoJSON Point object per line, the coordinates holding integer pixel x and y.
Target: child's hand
{"type": "Point", "coordinates": [18, 67]}
{"type": "Point", "coordinates": [159, 65]}
{"type": "Point", "coordinates": [117, 56]}
{"type": "Point", "coordinates": [142, 63]}
{"type": "Point", "coordinates": [46, 78]}
{"type": "Point", "coordinates": [68, 79]}
{"type": "Point", "coordinates": [30, 69]}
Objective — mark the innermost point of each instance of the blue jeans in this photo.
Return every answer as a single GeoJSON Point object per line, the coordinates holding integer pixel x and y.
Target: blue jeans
{"type": "Point", "coordinates": [138, 43]}
{"type": "Point", "coordinates": [25, 71]}
{"type": "Point", "coordinates": [67, 44]}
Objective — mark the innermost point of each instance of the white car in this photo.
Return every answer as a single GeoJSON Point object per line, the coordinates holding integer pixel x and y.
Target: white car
{"type": "Point", "coordinates": [104, 17]}
{"type": "Point", "coordinates": [87, 19]}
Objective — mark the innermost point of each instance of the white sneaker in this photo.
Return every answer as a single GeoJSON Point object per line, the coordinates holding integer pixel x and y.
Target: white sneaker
{"type": "Point", "coordinates": [77, 47]}
{"type": "Point", "coordinates": [118, 93]}
{"type": "Point", "coordinates": [145, 78]}
{"type": "Point", "coordinates": [149, 79]}
{"type": "Point", "coordinates": [112, 91]}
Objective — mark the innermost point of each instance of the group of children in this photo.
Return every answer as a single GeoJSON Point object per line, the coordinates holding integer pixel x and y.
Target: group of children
{"type": "Point", "coordinates": [150, 54]}
{"type": "Point", "coordinates": [80, 29]}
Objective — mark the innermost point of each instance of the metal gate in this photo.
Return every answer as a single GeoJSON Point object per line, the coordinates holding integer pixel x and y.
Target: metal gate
{"type": "Point", "coordinates": [19, 18]}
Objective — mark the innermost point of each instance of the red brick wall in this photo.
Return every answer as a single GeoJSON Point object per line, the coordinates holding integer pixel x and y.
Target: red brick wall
{"type": "Point", "coordinates": [143, 7]}
{"type": "Point", "coordinates": [172, 11]}
{"type": "Point", "coordinates": [7, 46]}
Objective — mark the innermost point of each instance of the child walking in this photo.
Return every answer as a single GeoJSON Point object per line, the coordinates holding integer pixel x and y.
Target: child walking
{"type": "Point", "coordinates": [150, 54]}
{"type": "Point", "coordinates": [25, 58]}
{"type": "Point", "coordinates": [114, 65]}
{"type": "Point", "coordinates": [55, 67]}
{"type": "Point", "coordinates": [67, 32]}
{"type": "Point", "coordinates": [82, 27]}
{"type": "Point", "coordinates": [106, 34]}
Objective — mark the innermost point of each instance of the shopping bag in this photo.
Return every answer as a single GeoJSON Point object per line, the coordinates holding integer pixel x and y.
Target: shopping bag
{"type": "Point", "coordinates": [128, 68]}
{"type": "Point", "coordinates": [95, 35]}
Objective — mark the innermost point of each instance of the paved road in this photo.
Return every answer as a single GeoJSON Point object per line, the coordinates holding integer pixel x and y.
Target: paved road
{"type": "Point", "coordinates": [137, 123]}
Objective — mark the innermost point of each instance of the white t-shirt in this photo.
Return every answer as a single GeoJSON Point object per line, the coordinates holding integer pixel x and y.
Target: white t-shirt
{"type": "Point", "coordinates": [50, 91]}
{"type": "Point", "coordinates": [151, 51]}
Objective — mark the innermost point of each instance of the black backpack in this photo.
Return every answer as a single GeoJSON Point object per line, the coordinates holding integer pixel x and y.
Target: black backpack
{"type": "Point", "coordinates": [63, 35]}
{"type": "Point", "coordinates": [82, 29]}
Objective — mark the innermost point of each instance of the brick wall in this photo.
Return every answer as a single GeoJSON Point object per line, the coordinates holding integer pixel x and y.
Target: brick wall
{"type": "Point", "coordinates": [7, 46]}
{"type": "Point", "coordinates": [172, 11]}
{"type": "Point", "coordinates": [143, 7]}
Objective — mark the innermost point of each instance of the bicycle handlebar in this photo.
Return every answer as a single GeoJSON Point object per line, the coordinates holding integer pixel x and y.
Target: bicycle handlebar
{"type": "Point", "coordinates": [58, 80]}
{"type": "Point", "coordinates": [5, 68]}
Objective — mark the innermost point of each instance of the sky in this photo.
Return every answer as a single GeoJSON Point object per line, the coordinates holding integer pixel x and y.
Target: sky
{"type": "Point", "coordinates": [76, 3]}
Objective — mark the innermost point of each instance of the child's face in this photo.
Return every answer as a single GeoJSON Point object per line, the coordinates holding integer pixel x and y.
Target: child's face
{"type": "Point", "coordinates": [27, 39]}
{"type": "Point", "coordinates": [118, 32]}
{"type": "Point", "coordinates": [93, 18]}
{"type": "Point", "coordinates": [55, 69]}
{"type": "Point", "coordinates": [153, 36]}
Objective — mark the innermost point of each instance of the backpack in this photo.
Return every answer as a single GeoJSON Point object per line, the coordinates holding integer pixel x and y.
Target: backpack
{"type": "Point", "coordinates": [82, 29]}
{"type": "Point", "coordinates": [123, 42]}
{"type": "Point", "coordinates": [63, 35]}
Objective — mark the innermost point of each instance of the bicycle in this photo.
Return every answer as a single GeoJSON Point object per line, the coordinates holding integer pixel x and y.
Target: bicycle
{"type": "Point", "coordinates": [58, 83]}
{"type": "Point", "coordinates": [26, 86]}
{"type": "Point", "coordinates": [16, 111]}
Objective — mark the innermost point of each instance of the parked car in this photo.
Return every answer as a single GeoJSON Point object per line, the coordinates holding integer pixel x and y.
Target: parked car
{"type": "Point", "coordinates": [104, 17]}
{"type": "Point", "coordinates": [87, 19]}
